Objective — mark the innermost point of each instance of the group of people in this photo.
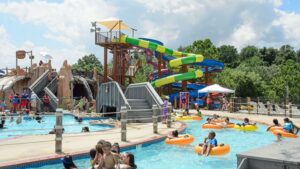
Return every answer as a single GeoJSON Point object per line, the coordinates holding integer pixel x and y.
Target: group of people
{"type": "Point", "coordinates": [288, 126]}
{"type": "Point", "coordinates": [105, 156]}
{"type": "Point", "coordinates": [24, 102]}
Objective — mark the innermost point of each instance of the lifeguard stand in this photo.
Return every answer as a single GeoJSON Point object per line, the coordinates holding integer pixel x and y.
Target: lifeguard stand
{"type": "Point", "coordinates": [122, 68]}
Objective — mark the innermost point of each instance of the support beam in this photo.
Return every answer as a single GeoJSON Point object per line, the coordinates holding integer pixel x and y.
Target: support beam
{"type": "Point", "coordinates": [105, 64]}
{"type": "Point", "coordinates": [184, 83]}
{"type": "Point", "coordinates": [115, 73]}
{"type": "Point", "coordinates": [159, 70]}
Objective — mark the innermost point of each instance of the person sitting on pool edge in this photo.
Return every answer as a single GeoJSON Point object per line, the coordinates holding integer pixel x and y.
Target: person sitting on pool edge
{"type": "Point", "coordinates": [209, 142]}
{"type": "Point", "coordinates": [275, 124]}
{"type": "Point", "coordinates": [246, 122]}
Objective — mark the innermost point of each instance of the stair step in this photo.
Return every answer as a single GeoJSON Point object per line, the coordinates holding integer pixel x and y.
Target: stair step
{"type": "Point", "coordinates": [137, 100]}
{"type": "Point", "coordinates": [139, 107]}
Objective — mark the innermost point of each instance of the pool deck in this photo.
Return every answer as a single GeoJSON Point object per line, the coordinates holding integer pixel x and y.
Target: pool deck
{"type": "Point", "coordinates": [263, 119]}
{"type": "Point", "coordinates": [283, 154]}
{"type": "Point", "coordinates": [26, 149]}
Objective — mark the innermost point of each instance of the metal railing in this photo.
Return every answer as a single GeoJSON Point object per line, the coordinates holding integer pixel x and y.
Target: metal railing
{"type": "Point", "coordinates": [111, 94]}
{"type": "Point", "coordinates": [108, 37]}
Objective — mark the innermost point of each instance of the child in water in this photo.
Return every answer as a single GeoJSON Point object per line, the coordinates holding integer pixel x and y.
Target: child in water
{"type": "Point", "coordinates": [209, 142]}
{"type": "Point", "coordinates": [173, 135]}
{"type": "Point", "coordinates": [246, 122]}
{"type": "Point", "coordinates": [288, 126]}
{"type": "Point", "coordinates": [275, 124]}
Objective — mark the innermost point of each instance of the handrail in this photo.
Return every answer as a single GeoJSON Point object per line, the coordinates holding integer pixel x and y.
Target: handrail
{"type": "Point", "coordinates": [242, 163]}
{"type": "Point", "coordinates": [153, 94]}
{"type": "Point", "coordinates": [36, 82]}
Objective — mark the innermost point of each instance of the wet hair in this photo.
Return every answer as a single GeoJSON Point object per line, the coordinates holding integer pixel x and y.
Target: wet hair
{"type": "Point", "coordinates": [93, 153]}
{"type": "Point", "coordinates": [68, 162]}
{"type": "Point", "coordinates": [175, 133]}
{"type": "Point", "coordinates": [86, 129]}
{"type": "Point", "coordinates": [131, 160]}
{"type": "Point", "coordinates": [99, 148]}
{"type": "Point", "coordinates": [275, 121]}
{"type": "Point", "coordinates": [286, 120]}
{"type": "Point", "coordinates": [227, 118]}
{"type": "Point", "coordinates": [106, 144]}
{"type": "Point", "coordinates": [246, 119]}
{"type": "Point", "coordinates": [101, 142]}
{"type": "Point", "coordinates": [213, 134]}
{"type": "Point", "coordinates": [208, 119]}
{"type": "Point", "coordinates": [117, 150]}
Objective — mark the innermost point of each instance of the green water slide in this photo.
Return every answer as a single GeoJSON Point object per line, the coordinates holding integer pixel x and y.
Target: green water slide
{"type": "Point", "coordinates": [182, 58]}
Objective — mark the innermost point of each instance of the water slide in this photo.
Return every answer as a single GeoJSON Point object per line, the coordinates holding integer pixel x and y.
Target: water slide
{"type": "Point", "coordinates": [8, 81]}
{"type": "Point", "coordinates": [182, 58]}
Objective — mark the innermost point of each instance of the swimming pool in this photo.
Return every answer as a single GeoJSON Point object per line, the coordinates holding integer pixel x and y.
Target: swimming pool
{"type": "Point", "coordinates": [162, 156]}
{"type": "Point", "coordinates": [31, 127]}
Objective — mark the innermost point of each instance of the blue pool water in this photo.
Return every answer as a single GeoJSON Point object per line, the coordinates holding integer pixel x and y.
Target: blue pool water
{"type": "Point", "coordinates": [162, 156]}
{"type": "Point", "coordinates": [30, 126]}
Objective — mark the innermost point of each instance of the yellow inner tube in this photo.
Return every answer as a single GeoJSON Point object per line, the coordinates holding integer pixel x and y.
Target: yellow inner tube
{"type": "Point", "coordinates": [181, 140]}
{"type": "Point", "coordinates": [188, 118]}
{"type": "Point", "coordinates": [219, 150]}
{"type": "Point", "coordinates": [246, 127]}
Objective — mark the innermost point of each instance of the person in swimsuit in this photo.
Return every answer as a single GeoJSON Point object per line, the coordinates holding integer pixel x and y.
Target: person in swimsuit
{"type": "Point", "coordinates": [288, 126]}
{"type": "Point", "coordinates": [209, 142]}
{"type": "Point", "coordinates": [109, 160]}
{"type": "Point", "coordinates": [128, 161]}
{"type": "Point", "coordinates": [275, 124]}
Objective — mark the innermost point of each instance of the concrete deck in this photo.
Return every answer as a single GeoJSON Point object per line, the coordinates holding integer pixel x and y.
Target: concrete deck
{"type": "Point", "coordinates": [264, 119]}
{"type": "Point", "coordinates": [284, 154]}
{"type": "Point", "coordinates": [40, 147]}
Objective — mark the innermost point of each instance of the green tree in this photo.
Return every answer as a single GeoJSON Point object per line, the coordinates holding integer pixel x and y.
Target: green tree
{"type": "Point", "coordinates": [143, 72]}
{"type": "Point", "coordinates": [204, 47]}
{"type": "Point", "coordinates": [229, 55]}
{"type": "Point", "coordinates": [87, 64]}
{"type": "Point", "coordinates": [268, 55]}
{"type": "Point", "coordinates": [248, 51]}
{"type": "Point", "coordinates": [285, 52]}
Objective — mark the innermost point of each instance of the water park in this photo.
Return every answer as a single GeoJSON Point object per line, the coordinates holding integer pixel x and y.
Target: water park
{"type": "Point", "coordinates": [180, 117]}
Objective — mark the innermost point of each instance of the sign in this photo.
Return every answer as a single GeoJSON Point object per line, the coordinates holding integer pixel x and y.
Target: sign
{"type": "Point", "coordinates": [20, 54]}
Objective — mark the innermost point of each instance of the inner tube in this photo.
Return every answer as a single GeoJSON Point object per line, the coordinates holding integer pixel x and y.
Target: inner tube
{"type": "Point", "coordinates": [246, 127]}
{"type": "Point", "coordinates": [188, 118]}
{"type": "Point", "coordinates": [284, 134]}
{"type": "Point", "coordinates": [276, 128]}
{"type": "Point", "coordinates": [211, 126]}
{"type": "Point", "coordinates": [219, 150]}
{"type": "Point", "coordinates": [181, 140]}
{"type": "Point", "coordinates": [230, 125]}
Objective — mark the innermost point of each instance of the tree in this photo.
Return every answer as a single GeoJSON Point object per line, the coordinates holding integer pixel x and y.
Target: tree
{"type": "Point", "coordinates": [229, 55]}
{"type": "Point", "coordinates": [87, 64]}
{"type": "Point", "coordinates": [285, 52]}
{"type": "Point", "coordinates": [268, 55]}
{"type": "Point", "coordinates": [143, 72]}
{"type": "Point", "coordinates": [204, 47]}
{"type": "Point", "coordinates": [248, 51]}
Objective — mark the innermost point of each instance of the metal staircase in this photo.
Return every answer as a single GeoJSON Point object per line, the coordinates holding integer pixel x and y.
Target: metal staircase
{"type": "Point", "coordinates": [138, 99]}
{"type": "Point", "coordinates": [38, 88]}
{"type": "Point", "coordinates": [51, 90]}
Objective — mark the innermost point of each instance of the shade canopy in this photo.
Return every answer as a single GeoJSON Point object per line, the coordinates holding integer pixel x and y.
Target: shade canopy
{"type": "Point", "coordinates": [114, 25]}
{"type": "Point", "coordinates": [215, 88]}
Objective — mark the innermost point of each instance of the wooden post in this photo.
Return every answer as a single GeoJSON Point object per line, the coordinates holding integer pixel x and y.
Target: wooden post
{"type": "Point", "coordinates": [58, 130]}
{"type": "Point", "coordinates": [105, 64]}
{"type": "Point", "coordinates": [123, 112]}
{"type": "Point", "coordinates": [257, 106]}
{"type": "Point", "coordinates": [115, 61]}
{"type": "Point", "coordinates": [248, 105]}
{"type": "Point", "coordinates": [290, 110]}
{"type": "Point", "coordinates": [231, 103]}
{"type": "Point", "coordinates": [169, 117]}
{"type": "Point", "coordinates": [269, 107]}
{"type": "Point", "coordinates": [155, 118]}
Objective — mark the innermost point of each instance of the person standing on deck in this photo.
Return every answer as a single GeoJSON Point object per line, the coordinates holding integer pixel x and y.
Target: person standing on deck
{"type": "Point", "coordinates": [165, 108]}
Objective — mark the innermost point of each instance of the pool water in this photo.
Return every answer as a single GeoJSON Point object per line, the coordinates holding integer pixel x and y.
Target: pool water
{"type": "Point", "coordinates": [162, 156]}
{"type": "Point", "coordinates": [30, 126]}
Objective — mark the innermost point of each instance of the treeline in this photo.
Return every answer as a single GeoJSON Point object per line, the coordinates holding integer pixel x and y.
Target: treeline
{"type": "Point", "coordinates": [272, 73]}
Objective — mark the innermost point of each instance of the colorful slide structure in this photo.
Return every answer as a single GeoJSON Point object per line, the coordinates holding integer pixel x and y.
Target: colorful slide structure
{"type": "Point", "coordinates": [181, 59]}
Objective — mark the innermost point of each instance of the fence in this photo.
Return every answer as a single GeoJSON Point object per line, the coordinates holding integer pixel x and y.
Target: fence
{"type": "Point", "coordinates": [264, 106]}
{"type": "Point", "coordinates": [59, 128]}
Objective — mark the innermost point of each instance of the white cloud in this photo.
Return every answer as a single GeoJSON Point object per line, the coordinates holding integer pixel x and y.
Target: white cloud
{"type": "Point", "coordinates": [247, 22]}
{"type": "Point", "coordinates": [7, 49]}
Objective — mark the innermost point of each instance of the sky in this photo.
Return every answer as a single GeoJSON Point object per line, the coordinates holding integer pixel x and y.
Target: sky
{"type": "Point", "coordinates": [61, 28]}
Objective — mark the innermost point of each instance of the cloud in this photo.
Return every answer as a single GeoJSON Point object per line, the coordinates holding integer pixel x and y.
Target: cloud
{"type": "Point", "coordinates": [247, 22]}
{"type": "Point", "coordinates": [7, 49]}
{"type": "Point", "coordinates": [65, 24]}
